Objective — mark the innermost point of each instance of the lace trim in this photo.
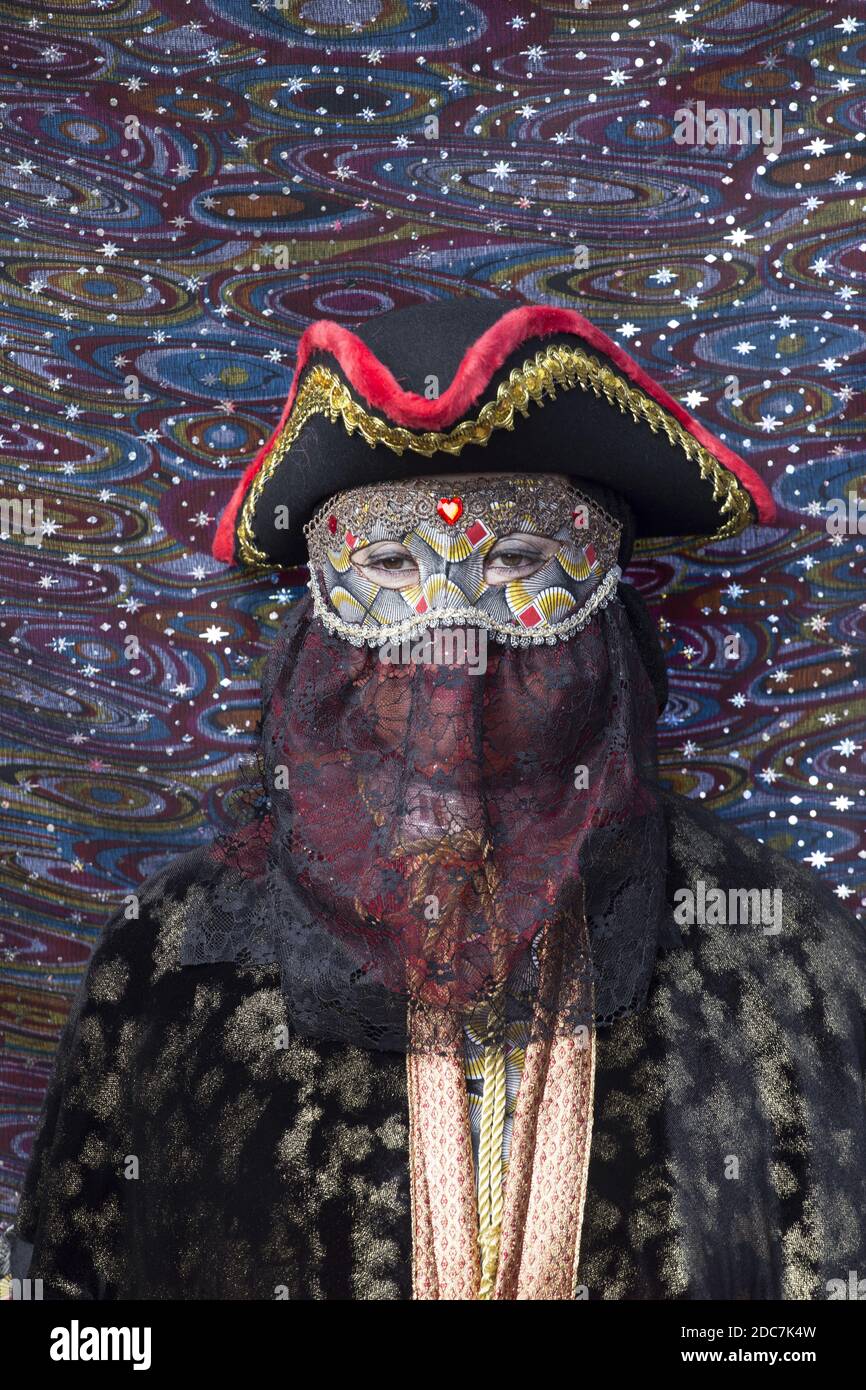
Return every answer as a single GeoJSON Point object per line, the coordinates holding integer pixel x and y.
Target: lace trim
{"type": "Point", "coordinates": [504, 503]}
{"type": "Point", "coordinates": [370, 635]}
{"type": "Point", "coordinates": [323, 392]}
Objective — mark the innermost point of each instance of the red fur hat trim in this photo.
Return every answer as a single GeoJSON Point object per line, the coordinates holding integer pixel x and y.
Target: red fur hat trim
{"type": "Point", "coordinates": [376, 384]}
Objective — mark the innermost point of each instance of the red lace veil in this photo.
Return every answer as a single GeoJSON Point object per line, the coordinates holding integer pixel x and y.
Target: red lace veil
{"type": "Point", "coordinates": [422, 830]}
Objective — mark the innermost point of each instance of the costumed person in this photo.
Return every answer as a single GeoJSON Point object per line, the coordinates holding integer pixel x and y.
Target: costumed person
{"type": "Point", "coordinates": [431, 1023]}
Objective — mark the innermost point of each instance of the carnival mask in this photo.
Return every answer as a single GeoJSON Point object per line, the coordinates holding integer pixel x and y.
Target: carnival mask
{"type": "Point", "coordinates": [530, 559]}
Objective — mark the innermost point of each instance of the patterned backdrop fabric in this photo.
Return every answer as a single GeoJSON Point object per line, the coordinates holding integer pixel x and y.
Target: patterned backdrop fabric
{"type": "Point", "coordinates": [186, 184]}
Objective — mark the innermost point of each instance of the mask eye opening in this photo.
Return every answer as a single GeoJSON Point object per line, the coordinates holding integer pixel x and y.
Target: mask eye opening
{"type": "Point", "coordinates": [518, 556]}
{"type": "Point", "coordinates": [390, 564]}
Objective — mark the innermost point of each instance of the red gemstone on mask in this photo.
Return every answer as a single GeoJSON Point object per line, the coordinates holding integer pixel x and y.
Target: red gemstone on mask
{"type": "Point", "coordinates": [332, 524]}
{"type": "Point", "coordinates": [450, 509]}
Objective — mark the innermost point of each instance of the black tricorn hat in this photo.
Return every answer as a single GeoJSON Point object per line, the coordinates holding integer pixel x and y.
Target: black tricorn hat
{"type": "Point", "coordinates": [471, 385]}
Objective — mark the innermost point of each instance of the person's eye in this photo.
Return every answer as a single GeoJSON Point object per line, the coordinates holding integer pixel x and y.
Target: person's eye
{"type": "Point", "coordinates": [518, 557]}
{"type": "Point", "coordinates": [512, 558]}
{"type": "Point", "coordinates": [387, 564]}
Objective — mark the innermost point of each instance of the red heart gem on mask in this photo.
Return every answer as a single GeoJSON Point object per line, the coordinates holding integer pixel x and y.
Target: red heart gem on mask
{"type": "Point", "coordinates": [450, 509]}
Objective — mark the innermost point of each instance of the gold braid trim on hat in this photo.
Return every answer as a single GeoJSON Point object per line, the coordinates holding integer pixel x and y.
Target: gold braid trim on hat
{"type": "Point", "coordinates": [323, 392]}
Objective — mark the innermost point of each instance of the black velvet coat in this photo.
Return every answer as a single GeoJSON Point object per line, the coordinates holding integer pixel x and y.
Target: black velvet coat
{"type": "Point", "coordinates": [187, 1152]}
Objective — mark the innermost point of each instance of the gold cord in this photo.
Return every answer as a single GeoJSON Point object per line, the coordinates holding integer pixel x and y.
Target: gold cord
{"type": "Point", "coordinates": [490, 1178]}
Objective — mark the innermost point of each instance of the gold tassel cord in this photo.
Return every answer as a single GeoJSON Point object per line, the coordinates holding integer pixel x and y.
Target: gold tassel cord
{"type": "Point", "coordinates": [490, 1180]}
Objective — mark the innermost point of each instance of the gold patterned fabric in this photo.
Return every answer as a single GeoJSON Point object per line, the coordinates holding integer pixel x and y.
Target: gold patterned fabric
{"type": "Point", "coordinates": [446, 1262]}
{"type": "Point", "coordinates": [523, 1241]}
{"type": "Point", "coordinates": [728, 1152]}
{"type": "Point", "coordinates": [545, 1188]}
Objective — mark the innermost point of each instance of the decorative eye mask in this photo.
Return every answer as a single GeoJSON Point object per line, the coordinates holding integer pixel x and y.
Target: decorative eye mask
{"type": "Point", "coordinates": [528, 558]}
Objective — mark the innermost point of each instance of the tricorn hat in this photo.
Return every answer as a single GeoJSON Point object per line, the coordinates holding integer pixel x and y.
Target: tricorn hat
{"type": "Point", "coordinates": [468, 386]}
